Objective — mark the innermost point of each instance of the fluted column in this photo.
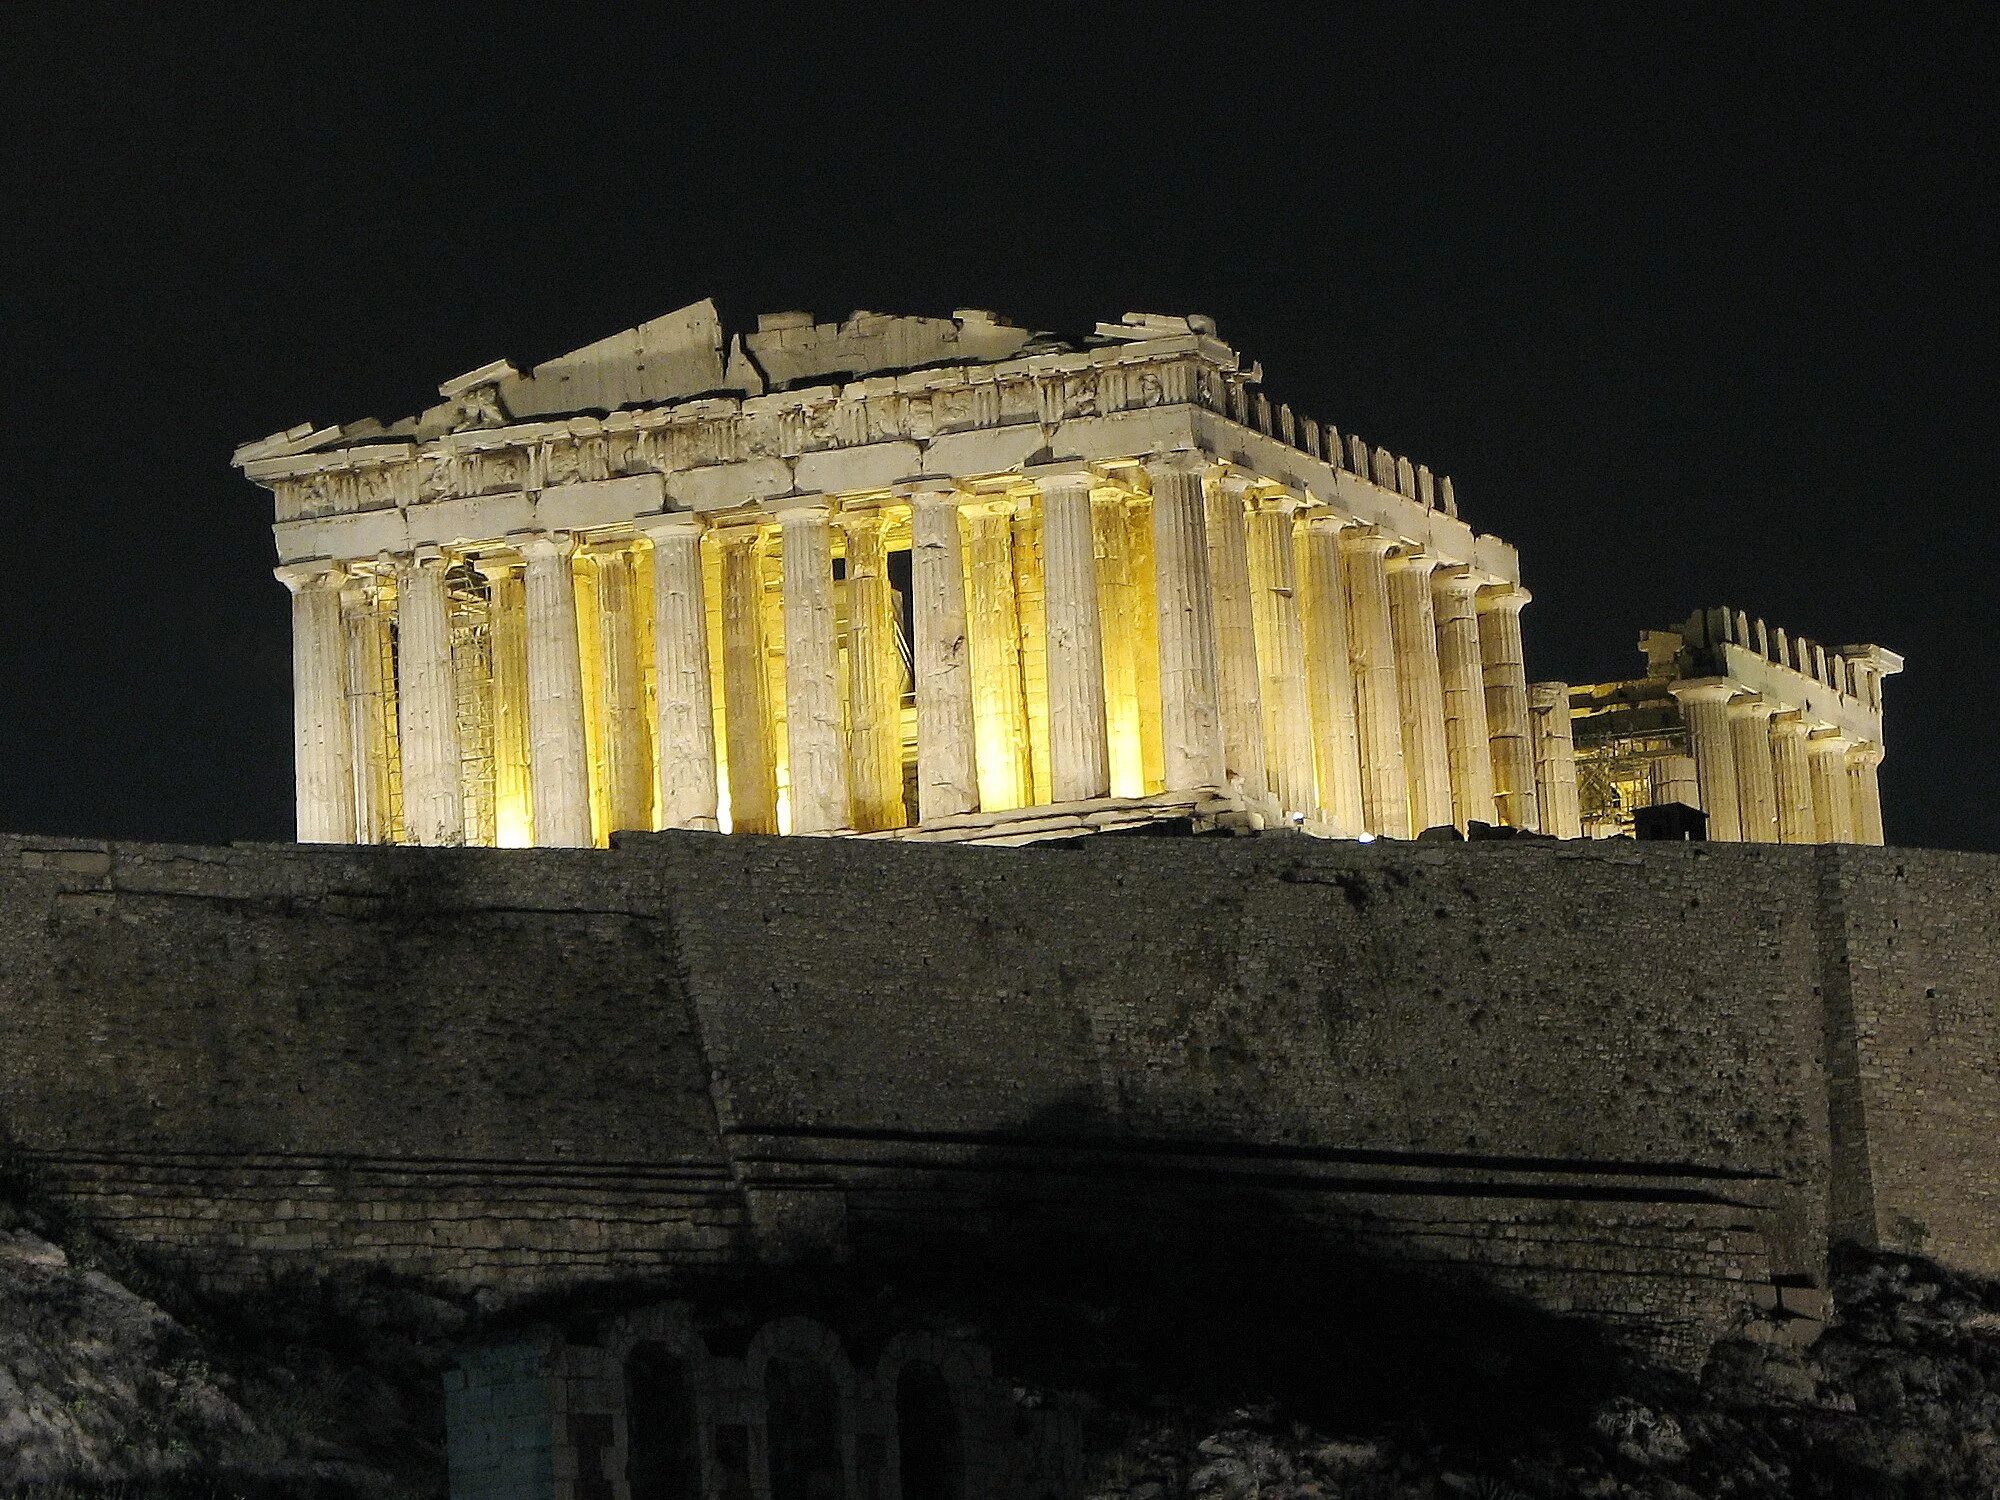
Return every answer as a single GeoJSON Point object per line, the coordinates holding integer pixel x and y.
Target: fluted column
{"type": "Point", "coordinates": [1364, 553]}
{"type": "Point", "coordinates": [947, 767]}
{"type": "Point", "coordinates": [1791, 780]}
{"type": "Point", "coordinates": [1079, 752]}
{"type": "Point", "coordinates": [1556, 798]}
{"type": "Point", "coordinates": [1329, 675]}
{"type": "Point", "coordinates": [684, 703]}
{"type": "Point", "coordinates": [874, 677]}
{"type": "Point", "coordinates": [1467, 740]}
{"type": "Point", "coordinates": [322, 739]}
{"type": "Point", "coordinates": [427, 704]}
{"type": "Point", "coordinates": [1281, 653]}
{"type": "Point", "coordinates": [559, 762]}
{"type": "Point", "coordinates": [628, 747]}
{"type": "Point", "coordinates": [746, 701]}
{"type": "Point", "coordinates": [1833, 798]}
{"type": "Point", "coordinates": [999, 692]}
{"type": "Point", "coordinates": [1756, 782]}
{"type": "Point", "coordinates": [1237, 683]}
{"type": "Point", "coordinates": [371, 695]}
{"type": "Point", "coordinates": [1190, 710]}
{"type": "Point", "coordinates": [1705, 706]}
{"type": "Point", "coordinates": [817, 753]}
{"type": "Point", "coordinates": [1863, 760]}
{"type": "Point", "coordinates": [1420, 690]}
{"type": "Point", "coordinates": [1674, 778]}
{"type": "Point", "coordinates": [1503, 668]}
{"type": "Point", "coordinates": [507, 637]}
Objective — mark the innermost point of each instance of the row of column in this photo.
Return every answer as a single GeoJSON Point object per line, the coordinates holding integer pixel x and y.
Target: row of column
{"type": "Point", "coordinates": [1766, 775]}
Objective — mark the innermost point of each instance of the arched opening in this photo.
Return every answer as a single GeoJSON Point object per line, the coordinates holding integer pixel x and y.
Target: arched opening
{"type": "Point", "coordinates": [802, 1426]}
{"type": "Point", "coordinates": [927, 1438]}
{"type": "Point", "coordinates": [662, 1441]}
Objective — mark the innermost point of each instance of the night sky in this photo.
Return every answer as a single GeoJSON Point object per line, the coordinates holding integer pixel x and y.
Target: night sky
{"type": "Point", "coordinates": [1691, 316]}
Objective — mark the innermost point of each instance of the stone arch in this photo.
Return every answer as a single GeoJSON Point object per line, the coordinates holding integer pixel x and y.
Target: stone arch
{"type": "Point", "coordinates": [808, 1387]}
{"type": "Point", "coordinates": [662, 1428]}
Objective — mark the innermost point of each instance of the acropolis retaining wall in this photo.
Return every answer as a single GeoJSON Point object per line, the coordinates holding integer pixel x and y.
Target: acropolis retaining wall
{"type": "Point", "coordinates": [1645, 1082]}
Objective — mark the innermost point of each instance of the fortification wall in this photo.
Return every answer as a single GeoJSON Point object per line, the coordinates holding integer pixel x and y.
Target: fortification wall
{"type": "Point", "coordinates": [1635, 1081]}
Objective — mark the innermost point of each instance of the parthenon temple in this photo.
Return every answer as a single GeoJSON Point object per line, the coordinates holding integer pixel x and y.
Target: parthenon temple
{"type": "Point", "coordinates": [898, 577]}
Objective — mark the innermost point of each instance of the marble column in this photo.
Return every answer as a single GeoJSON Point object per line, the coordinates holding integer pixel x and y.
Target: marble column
{"type": "Point", "coordinates": [507, 637]}
{"type": "Point", "coordinates": [1079, 748]}
{"type": "Point", "coordinates": [628, 740]}
{"type": "Point", "coordinates": [1420, 690]}
{"type": "Point", "coordinates": [1190, 709]}
{"type": "Point", "coordinates": [1329, 675]}
{"type": "Point", "coordinates": [559, 762]}
{"type": "Point", "coordinates": [1238, 689]}
{"type": "Point", "coordinates": [1863, 759]}
{"type": "Point", "coordinates": [817, 752]}
{"type": "Point", "coordinates": [1467, 740]}
{"type": "Point", "coordinates": [684, 703]}
{"type": "Point", "coordinates": [746, 702]}
{"type": "Point", "coordinates": [947, 764]}
{"type": "Point", "coordinates": [1705, 707]}
{"type": "Point", "coordinates": [1503, 668]}
{"type": "Point", "coordinates": [1756, 781]}
{"type": "Point", "coordinates": [427, 704]}
{"type": "Point", "coordinates": [1791, 780]}
{"type": "Point", "coordinates": [999, 687]}
{"type": "Point", "coordinates": [371, 695]}
{"type": "Point", "coordinates": [1281, 654]}
{"type": "Point", "coordinates": [1556, 798]}
{"type": "Point", "coordinates": [1674, 778]}
{"type": "Point", "coordinates": [1118, 608]}
{"type": "Point", "coordinates": [1364, 554]}
{"type": "Point", "coordinates": [1833, 798]}
{"type": "Point", "coordinates": [322, 739]}
{"type": "Point", "coordinates": [874, 676]}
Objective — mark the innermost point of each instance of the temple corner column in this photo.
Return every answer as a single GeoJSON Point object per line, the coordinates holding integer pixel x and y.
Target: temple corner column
{"type": "Point", "coordinates": [322, 737]}
{"type": "Point", "coordinates": [1190, 708]}
{"type": "Point", "coordinates": [1864, 759]}
{"type": "Point", "coordinates": [1705, 707]}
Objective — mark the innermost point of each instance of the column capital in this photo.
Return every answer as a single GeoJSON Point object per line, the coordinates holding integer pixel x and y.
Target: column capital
{"type": "Point", "coordinates": [1366, 538]}
{"type": "Point", "coordinates": [1704, 689]}
{"type": "Point", "coordinates": [320, 572]}
{"type": "Point", "coordinates": [861, 516]}
{"type": "Point", "coordinates": [538, 546]}
{"type": "Point", "coordinates": [948, 498]}
{"type": "Point", "coordinates": [424, 557]}
{"type": "Point", "coordinates": [1543, 695]}
{"type": "Point", "coordinates": [1508, 596]}
{"type": "Point", "coordinates": [793, 509]}
{"type": "Point", "coordinates": [495, 566]}
{"type": "Point", "coordinates": [670, 523]}
{"type": "Point", "coordinates": [744, 533]}
{"type": "Point", "coordinates": [1750, 705]}
{"type": "Point", "coordinates": [1865, 752]}
{"type": "Point", "coordinates": [1828, 742]}
{"type": "Point", "coordinates": [1065, 479]}
{"type": "Point", "coordinates": [1457, 580]}
{"type": "Point", "coordinates": [1181, 461]}
{"type": "Point", "coordinates": [1323, 519]}
{"type": "Point", "coordinates": [1278, 502]}
{"type": "Point", "coordinates": [1407, 559]}
{"type": "Point", "coordinates": [1790, 722]}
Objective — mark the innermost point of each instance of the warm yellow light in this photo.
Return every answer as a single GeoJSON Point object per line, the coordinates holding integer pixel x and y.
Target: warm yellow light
{"type": "Point", "coordinates": [513, 827]}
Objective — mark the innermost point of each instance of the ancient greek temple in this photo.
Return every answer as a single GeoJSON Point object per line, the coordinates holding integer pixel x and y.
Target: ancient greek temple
{"type": "Point", "coordinates": [903, 577]}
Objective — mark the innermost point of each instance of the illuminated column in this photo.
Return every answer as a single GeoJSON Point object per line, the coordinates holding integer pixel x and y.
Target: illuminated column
{"type": "Point", "coordinates": [684, 702]}
{"type": "Point", "coordinates": [1455, 599]}
{"type": "Point", "coordinates": [1190, 712]}
{"type": "Point", "coordinates": [753, 773]}
{"type": "Point", "coordinates": [1673, 778]}
{"type": "Point", "coordinates": [628, 750]}
{"type": "Point", "coordinates": [1863, 759]}
{"type": "Point", "coordinates": [1705, 706]}
{"type": "Point", "coordinates": [1792, 780]}
{"type": "Point", "coordinates": [1236, 640]}
{"type": "Point", "coordinates": [1118, 607]}
{"type": "Point", "coordinates": [559, 764]}
{"type": "Point", "coordinates": [947, 764]}
{"type": "Point", "coordinates": [1504, 670]}
{"type": "Point", "coordinates": [1079, 754]}
{"type": "Point", "coordinates": [1364, 552]}
{"type": "Point", "coordinates": [427, 702]}
{"type": "Point", "coordinates": [370, 717]}
{"type": "Point", "coordinates": [507, 634]}
{"type": "Point", "coordinates": [874, 677]}
{"type": "Point", "coordinates": [1833, 799]}
{"type": "Point", "coordinates": [1419, 690]}
{"type": "Point", "coordinates": [1556, 798]}
{"type": "Point", "coordinates": [817, 751]}
{"type": "Point", "coordinates": [1281, 652]}
{"type": "Point", "coordinates": [1329, 675]}
{"type": "Point", "coordinates": [1756, 783]}
{"type": "Point", "coordinates": [322, 740]}
{"type": "Point", "coordinates": [999, 701]}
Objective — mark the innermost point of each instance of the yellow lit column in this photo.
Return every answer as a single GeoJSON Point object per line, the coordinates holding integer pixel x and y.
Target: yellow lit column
{"type": "Point", "coordinates": [1079, 754]}
{"type": "Point", "coordinates": [1236, 640]}
{"type": "Point", "coordinates": [1364, 554]}
{"type": "Point", "coordinates": [684, 702]}
{"type": "Point", "coordinates": [507, 633]}
{"type": "Point", "coordinates": [1118, 613]}
{"type": "Point", "coordinates": [322, 740]}
{"type": "Point", "coordinates": [628, 749]}
{"type": "Point", "coordinates": [1756, 780]}
{"type": "Point", "coordinates": [1281, 654]}
{"type": "Point", "coordinates": [1792, 780]}
{"type": "Point", "coordinates": [753, 772]}
{"type": "Point", "coordinates": [817, 752]}
{"type": "Point", "coordinates": [1863, 759]}
{"type": "Point", "coordinates": [999, 698]}
{"type": "Point", "coordinates": [874, 677]}
{"type": "Point", "coordinates": [1190, 712]}
{"type": "Point", "coordinates": [1420, 692]}
{"type": "Point", "coordinates": [1329, 675]}
{"type": "Point", "coordinates": [427, 703]}
{"type": "Point", "coordinates": [1455, 598]}
{"type": "Point", "coordinates": [947, 762]}
{"type": "Point", "coordinates": [1503, 667]}
{"type": "Point", "coordinates": [1705, 706]}
{"type": "Point", "coordinates": [558, 761]}
{"type": "Point", "coordinates": [1556, 798]}
{"type": "Point", "coordinates": [1833, 799]}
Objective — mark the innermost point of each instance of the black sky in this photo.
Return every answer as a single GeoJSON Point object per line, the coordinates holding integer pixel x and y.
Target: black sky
{"type": "Point", "coordinates": [1692, 315]}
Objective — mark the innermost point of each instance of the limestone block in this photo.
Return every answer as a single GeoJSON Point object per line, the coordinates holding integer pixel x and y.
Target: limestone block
{"type": "Point", "coordinates": [599, 502]}
{"type": "Point", "coordinates": [874, 467]}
